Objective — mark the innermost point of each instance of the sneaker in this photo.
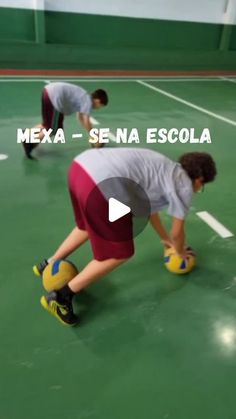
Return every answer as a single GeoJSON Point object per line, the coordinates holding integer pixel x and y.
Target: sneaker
{"type": "Point", "coordinates": [63, 312]}
{"type": "Point", "coordinates": [27, 149]}
{"type": "Point", "coordinates": [38, 269]}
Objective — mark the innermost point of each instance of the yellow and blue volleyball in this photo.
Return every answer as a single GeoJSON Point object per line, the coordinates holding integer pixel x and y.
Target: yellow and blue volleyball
{"type": "Point", "coordinates": [177, 265]}
{"type": "Point", "coordinates": [57, 274]}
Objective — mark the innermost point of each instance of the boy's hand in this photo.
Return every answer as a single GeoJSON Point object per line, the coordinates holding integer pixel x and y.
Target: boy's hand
{"type": "Point", "coordinates": [169, 249]}
{"type": "Point", "coordinates": [189, 251]}
{"type": "Point", "coordinates": [167, 243]}
{"type": "Point", "coordinates": [97, 145]}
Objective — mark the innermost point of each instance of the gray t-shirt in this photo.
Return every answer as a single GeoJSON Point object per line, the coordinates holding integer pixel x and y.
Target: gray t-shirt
{"type": "Point", "coordinates": [165, 182]}
{"type": "Point", "coordinates": [68, 98]}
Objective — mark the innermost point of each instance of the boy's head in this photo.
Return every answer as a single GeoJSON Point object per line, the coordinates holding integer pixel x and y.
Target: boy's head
{"type": "Point", "coordinates": [99, 98]}
{"type": "Point", "coordinates": [200, 167]}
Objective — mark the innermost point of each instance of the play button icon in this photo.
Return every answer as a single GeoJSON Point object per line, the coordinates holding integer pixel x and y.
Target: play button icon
{"type": "Point", "coordinates": [117, 209]}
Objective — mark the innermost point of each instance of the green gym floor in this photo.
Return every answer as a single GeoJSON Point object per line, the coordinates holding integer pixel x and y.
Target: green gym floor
{"type": "Point", "coordinates": [150, 344]}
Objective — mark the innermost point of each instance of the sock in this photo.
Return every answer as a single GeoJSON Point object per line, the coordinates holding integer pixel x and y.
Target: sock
{"type": "Point", "coordinates": [65, 294]}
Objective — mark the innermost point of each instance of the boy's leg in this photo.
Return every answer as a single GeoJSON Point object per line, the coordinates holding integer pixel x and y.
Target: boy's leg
{"type": "Point", "coordinates": [28, 147]}
{"type": "Point", "coordinates": [93, 271]}
{"type": "Point", "coordinates": [59, 303]}
{"type": "Point", "coordinates": [51, 118]}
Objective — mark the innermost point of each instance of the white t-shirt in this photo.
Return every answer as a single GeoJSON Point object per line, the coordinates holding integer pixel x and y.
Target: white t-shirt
{"type": "Point", "coordinates": [68, 98]}
{"type": "Point", "coordinates": [165, 182]}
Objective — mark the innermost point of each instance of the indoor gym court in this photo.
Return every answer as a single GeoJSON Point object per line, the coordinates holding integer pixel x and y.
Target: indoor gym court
{"type": "Point", "coordinates": [150, 344]}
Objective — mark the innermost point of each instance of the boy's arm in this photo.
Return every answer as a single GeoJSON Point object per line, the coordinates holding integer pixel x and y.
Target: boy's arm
{"type": "Point", "coordinates": [178, 236]}
{"type": "Point", "coordinates": [85, 121]}
{"type": "Point", "coordinates": [160, 229]}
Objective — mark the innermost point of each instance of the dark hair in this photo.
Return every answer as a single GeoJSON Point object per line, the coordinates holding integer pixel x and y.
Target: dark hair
{"type": "Point", "coordinates": [199, 164]}
{"type": "Point", "coordinates": [101, 95]}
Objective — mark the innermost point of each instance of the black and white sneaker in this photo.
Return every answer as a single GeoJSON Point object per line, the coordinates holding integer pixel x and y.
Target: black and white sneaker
{"type": "Point", "coordinates": [28, 148]}
{"type": "Point", "coordinates": [62, 311]}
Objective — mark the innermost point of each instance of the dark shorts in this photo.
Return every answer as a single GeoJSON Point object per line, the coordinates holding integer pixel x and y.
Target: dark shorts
{"type": "Point", "coordinates": [51, 117]}
{"type": "Point", "coordinates": [80, 187]}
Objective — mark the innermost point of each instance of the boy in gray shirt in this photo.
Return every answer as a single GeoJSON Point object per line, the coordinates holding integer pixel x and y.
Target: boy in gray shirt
{"type": "Point", "coordinates": [59, 99]}
{"type": "Point", "coordinates": [166, 183]}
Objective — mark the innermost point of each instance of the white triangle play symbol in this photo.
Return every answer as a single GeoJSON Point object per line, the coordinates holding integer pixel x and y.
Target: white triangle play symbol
{"type": "Point", "coordinates": [117, 210]}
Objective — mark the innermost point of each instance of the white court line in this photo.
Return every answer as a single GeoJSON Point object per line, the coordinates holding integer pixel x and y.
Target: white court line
{"type": "Point", "coordinates": [19, 80]}
{"type": "Point", "coordinates": [190, 104]}
{"type": "Point", "coordinates": [68, 79]}
{"type": "Point", "coordinates": [227, 79]}
{"type": "Point", "coordinates": [3, 156]}
{"type": "Point", "coordinates": [215, 225]}
{"type": "Point", "coordinates": [93, 121]}
{"type": "Point", "coordinates": [112, 137]}
{"type": "Point", "coordinates": [169, 79]}
{"type": "Point", "coordinates": [116, 80]}
{"type": "Point", "coordinates": [147, 77]}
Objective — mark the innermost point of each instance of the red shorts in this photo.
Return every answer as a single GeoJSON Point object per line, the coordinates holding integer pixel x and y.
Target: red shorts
{"type": "Point", "coordinates": [80, 187]}
{"type": "Point", "coordinates": [51, 117]}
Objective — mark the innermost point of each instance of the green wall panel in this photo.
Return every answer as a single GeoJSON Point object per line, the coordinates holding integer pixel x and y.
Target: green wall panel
{"type": "Point", "coordinates": [16, 25]}
{"type": "Point", "coordinates": [85, 29]}
{"type": "Point", "coordinates": [233, 39]}
{"type": "Point", "coordinates": [80, 41]}
{"type": "Point", "coordinates": [79, 57]}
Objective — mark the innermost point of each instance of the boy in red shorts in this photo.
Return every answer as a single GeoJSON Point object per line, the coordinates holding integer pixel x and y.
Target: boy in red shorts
{"type": "Point", "coordinates": [59, 99]}
{"type": "Point", "coordinates": [166, 183]}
